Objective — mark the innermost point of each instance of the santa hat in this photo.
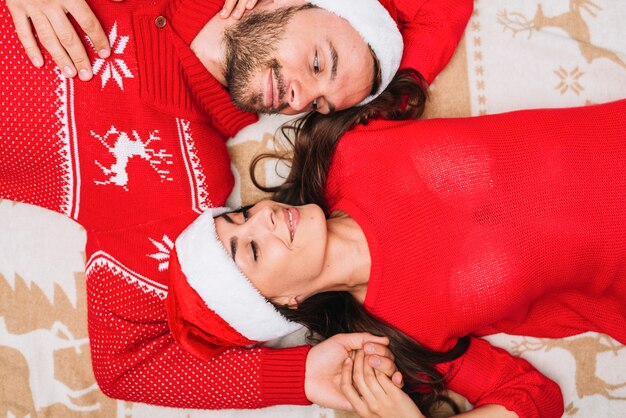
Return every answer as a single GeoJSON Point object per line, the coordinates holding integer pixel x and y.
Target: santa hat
{"type": "Point", "coordinates": [211, 305]}
{"type": "Point", "coordinates": [377, 27]}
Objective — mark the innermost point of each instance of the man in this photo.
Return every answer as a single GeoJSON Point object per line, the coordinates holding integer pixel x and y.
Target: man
{"type": "Point", "coordinates": [431, 30]}
{"type": "Point", "coordinates": [150, 128]}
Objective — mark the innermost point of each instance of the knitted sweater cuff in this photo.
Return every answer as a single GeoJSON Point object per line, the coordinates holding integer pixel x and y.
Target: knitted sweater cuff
{"type": "Point", "coordinates": [282, 376]}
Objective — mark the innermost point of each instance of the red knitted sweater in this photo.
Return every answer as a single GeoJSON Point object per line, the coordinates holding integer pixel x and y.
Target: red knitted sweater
{"type": "Point", "coordinates": [134, 155]}
{"type": "Point", "coordinates": [509, 223]}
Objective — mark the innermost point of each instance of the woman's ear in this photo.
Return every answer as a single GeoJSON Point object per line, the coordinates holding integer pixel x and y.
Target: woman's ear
{"type": "Point", "coordinates": [292, 303]}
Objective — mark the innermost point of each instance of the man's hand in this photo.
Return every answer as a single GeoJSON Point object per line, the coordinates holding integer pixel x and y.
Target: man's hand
{"type": "Point", "coordinates": [56, 33]}
{"type": "Point", "coordinates": [325, 361]}
{"type": "Point", "coordinates": [240, 7]}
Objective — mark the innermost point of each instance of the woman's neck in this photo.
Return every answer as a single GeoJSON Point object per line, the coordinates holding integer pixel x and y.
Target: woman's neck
{"type": "Point", "coordinates": [348, 257]}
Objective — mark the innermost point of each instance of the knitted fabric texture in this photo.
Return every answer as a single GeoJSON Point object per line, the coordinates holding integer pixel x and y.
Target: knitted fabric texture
{"type": "Point", "coordinates": [509, 223]}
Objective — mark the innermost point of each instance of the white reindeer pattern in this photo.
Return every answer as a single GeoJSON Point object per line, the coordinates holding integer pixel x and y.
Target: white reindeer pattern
{"type": "Point", "coordinates": [123, 149]}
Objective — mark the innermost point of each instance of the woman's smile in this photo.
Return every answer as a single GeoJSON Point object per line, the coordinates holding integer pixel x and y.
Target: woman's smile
{"type": "Point", "coordinates": [292, 219]}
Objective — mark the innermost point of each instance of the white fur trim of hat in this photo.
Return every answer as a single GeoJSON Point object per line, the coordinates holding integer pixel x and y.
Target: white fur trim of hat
{"type": "Point", "coordinates": [213, 274]}
{"type": "Point", "coordinates": [377, 28]}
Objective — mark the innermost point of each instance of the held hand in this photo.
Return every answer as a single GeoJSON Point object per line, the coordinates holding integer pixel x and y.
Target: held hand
{"type": "Point", "coordinates": [240, 7]}
{"type": "Point", "coordinates": [324, 366]}
{"type": "Point", "coordinates": [372, 394]}
{"type": "Point", "coordinates": [56, 33]}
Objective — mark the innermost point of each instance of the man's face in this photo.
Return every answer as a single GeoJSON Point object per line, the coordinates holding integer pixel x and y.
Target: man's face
{"type": "Point", "coordinates": [295, 60]}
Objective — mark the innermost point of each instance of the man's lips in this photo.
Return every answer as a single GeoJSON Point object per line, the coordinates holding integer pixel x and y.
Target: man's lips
{"type": "Point", "coordinates": [292, 219]}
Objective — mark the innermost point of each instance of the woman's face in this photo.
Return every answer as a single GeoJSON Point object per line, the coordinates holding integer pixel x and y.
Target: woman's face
{"type": "Point", "coordinates": [280, 248]}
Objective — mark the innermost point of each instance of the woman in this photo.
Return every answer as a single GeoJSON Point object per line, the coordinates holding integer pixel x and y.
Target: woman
{"type": "Point", "coordinates": [464, 227]}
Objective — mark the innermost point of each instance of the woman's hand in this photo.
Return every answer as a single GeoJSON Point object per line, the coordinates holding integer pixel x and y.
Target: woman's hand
{"type": "Point", "coordinates": [322, 383]}
{"type": "Point", "coordinates": [371, 393]}
{"type": "Point", "coordinates": [240, 7]}
{"type": "Point", "coordinates": [57, 35]}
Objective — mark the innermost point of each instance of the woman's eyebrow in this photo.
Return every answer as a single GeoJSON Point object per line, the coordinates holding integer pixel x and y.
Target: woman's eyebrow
{"type": "Point", "coordinates": [233, 247]}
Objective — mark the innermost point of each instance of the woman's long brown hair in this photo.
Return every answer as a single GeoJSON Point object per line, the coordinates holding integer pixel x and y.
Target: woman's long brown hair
{"type": "Point", "coordinates": [314, 139]}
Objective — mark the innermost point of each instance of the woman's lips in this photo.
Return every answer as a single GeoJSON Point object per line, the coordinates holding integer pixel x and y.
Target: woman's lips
{"type": "Point", "coordinates": [292, 219]}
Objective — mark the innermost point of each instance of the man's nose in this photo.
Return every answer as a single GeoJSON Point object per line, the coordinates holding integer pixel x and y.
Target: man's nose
{"type": "Point", "coordinates": [300, 95]}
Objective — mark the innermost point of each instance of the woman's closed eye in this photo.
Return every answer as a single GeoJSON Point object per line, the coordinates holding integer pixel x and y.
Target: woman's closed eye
{"type": "Point", "coordinates": [255, 250]}
{"type": "Point", "coordinates": [253, 245]}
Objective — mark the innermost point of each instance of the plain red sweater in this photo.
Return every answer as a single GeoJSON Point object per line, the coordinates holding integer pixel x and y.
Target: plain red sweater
{"type": "Point", "coordinates": [509, 223]}
{"type": "Point", "coordinates": [134, 156]}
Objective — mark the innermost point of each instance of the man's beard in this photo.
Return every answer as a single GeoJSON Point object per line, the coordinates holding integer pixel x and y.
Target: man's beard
{"type": "Point", "coordinates": [250, 46]}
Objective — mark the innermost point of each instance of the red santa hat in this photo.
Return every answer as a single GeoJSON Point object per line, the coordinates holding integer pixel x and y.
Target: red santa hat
{"type": "Point", "coordinates": [211, 305]}
{"type": "Point", "coordinates": [377, 27]}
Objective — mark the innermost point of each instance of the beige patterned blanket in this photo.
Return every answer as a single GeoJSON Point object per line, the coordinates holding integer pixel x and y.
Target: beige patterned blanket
{"type": "Point", "coordinates": [515, 54]}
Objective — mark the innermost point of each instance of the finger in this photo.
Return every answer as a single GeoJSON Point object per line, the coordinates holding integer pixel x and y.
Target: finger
{"type": "Point", "coordinates": [397, 379]}
{"type": "Point", "coordinates": [71, 43]}
{"type": "Point", "coordinates": [378, 349]}
{"type": "Point", "coordinates": [27, 38]}
{"type": "Point", "coordinates": [228, 7]}
{"type": "Point", "coordinates": [371, 380]}
{"type": "Point", "coordinates": [240, 9]}
{"type": "Point", "coordinates": [382, 364]}
{"type": "Point", "coordinates": [91, 26]}
{"type": "Point", "coordinates": [250, 4]}
{"type": "Point", "coordinates": [348, 389]}
{"type": "Point", "coordinates": [356, 341]}
{"type": "Point", "coordinates": [385, 383]}
{"type": "Point", "coordinates": [358, 377]}
{"type": "Point", "coordinates": [49, 40]}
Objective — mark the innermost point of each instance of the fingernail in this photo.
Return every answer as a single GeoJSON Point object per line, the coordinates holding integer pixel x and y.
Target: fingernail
{"type": "Point", "coordinates": [374, 361]}
{"type": "Point", "coordinates": [223, 12]}
{"type": "Point", "coordinates": [347, 361]}
{"type": "Point", "coordinates": [369, 348]}
{"type": "Point", "coordinates": [249, 4]}
{"type": "Point", "coordinates": [84, 75]}
{"type": "Point", "coordinates": [67, 70]}
{"type": "Point", "coordinates": [104, 53]}
{"type": "Point", "coordinates": [37, 62]}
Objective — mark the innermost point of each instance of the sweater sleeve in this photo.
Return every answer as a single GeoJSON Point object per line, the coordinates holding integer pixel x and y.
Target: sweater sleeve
{"type": "Point", "coordinates": [135, 357]}
{"type": "Point", "coordinates": [489, 375]}
{"type": "Point", "coordinates": [431, 30]}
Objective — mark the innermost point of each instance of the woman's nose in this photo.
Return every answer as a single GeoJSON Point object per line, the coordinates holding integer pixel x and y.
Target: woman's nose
{"type": "Point", "coordinates": [265, 219]}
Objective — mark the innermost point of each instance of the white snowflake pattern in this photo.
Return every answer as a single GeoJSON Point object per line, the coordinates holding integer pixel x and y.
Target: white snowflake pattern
{"type": "Point", "coordinates": [113, 67]}
{"type": "Point", "coordinates": [163, 255]}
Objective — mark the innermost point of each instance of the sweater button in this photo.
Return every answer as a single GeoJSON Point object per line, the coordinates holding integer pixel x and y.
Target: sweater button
{"type": "Point", "coordinates": [160, 22]}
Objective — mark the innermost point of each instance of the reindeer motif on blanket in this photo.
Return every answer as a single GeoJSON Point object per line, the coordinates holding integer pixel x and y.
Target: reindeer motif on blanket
{"type": "Point", "coordinates": [124, 148]}
{"type": "Point", "coordinates": [572, 22]}
{"type": "Point", "coordinates": [584, 350]}
{"type": "Point", "coordinates": [40, 343]}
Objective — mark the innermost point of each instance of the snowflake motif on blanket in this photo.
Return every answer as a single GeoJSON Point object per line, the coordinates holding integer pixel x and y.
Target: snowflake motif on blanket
{"type": "Point", "coordinates": [113, 67]}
